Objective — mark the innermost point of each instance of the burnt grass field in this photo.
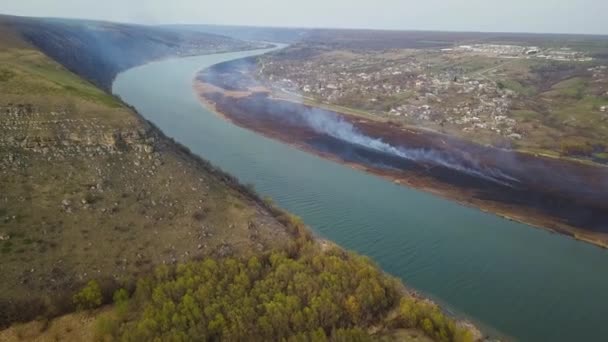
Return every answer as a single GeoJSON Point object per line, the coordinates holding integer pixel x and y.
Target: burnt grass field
{"type": "Point", "coordinates": [555, 194]}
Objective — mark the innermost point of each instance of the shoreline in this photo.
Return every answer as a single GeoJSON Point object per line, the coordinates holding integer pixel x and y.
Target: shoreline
{"type": "Point", "coordinates": [463, 320]}
{"type": "Point", "coordinates": [452, 193]}
{"type": "Point", "coordinates": [480, 331]}
{"type": "Point", "coordinates": [283, 96]}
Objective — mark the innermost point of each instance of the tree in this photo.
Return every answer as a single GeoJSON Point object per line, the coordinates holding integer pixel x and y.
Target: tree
{"type": "Point", "coordinates": [353, 308]}
{"type": "Point", "coordinates": [278, 296]}
{"type": "Point", "coordinates": [427, 326]}
{"type": "Point", "coordinates": [89, 297]}
{"type": "Point", "coordinates": [120, 296]}
{"type": "Point", "coordinates": [121, 301]}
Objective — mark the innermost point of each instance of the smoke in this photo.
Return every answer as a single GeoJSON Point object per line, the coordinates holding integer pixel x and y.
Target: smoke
{"type": "Point", "coordinates": [336, 127]}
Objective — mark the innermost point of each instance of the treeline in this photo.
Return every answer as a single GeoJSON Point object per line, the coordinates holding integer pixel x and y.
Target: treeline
{"type": "Point", "coordinates": [315, 295]}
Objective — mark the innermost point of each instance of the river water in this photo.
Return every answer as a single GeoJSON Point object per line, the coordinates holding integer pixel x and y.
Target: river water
{"type": "Point", "coordinates": [525, 283]}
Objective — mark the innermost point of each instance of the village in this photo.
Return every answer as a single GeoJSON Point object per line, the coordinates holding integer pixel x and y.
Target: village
{"type": "Point", "coordinates": [411, 92]}
{"type": "Point", "coordinates": [421, 87]}
{"type": "Point", "coordinates": [519, 51]}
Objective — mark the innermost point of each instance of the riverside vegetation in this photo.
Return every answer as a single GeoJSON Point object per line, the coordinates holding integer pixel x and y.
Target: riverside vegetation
{"type": "Point", "coordinates": [98, 206]}
{"type": "Point", "coordinates": [308, 293]}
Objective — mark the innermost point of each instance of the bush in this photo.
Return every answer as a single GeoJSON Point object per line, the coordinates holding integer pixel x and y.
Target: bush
{"type": "Point", "coordinates": [121, 302]}
{"type": "Point", "coordinates": [120, 296]}
{"type": "Point", "coordinates": [89, 297]}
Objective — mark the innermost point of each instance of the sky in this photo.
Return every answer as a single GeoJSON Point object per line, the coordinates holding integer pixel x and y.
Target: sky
{"type": "Point", "coordinates": [545, 16]}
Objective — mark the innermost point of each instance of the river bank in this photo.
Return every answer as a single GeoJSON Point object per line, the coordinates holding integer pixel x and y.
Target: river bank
{"type": "Point", "coordinates": [462, 258]}
{"type": "Point", "coordinates": [569, 200]}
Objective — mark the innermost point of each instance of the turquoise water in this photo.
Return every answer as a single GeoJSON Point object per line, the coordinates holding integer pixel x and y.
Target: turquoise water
{"type": "Point", "coordinates": [524, 282]}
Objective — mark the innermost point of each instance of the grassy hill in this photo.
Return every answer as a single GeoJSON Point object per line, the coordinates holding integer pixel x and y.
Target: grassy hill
{"type": "Point", "coordinates": [91, 190]}
{"type": "Point", "coordinates": [99, 50]}
{"type": "Point", "coordinates": [96, 198]}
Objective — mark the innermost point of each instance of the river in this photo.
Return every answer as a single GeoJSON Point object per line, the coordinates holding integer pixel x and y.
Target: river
{"type": "Point", "coordinates": [523, 282]}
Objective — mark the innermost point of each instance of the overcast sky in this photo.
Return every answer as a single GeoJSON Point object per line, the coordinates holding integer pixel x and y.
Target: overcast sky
{"type": "Point", "coordinates": [556, 16]}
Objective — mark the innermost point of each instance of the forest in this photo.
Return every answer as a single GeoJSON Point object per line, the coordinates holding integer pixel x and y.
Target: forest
{"type": "Point", "coordinates": [313, 292]}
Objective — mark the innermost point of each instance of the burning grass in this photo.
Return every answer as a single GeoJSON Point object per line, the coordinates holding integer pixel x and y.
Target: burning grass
{"type": "Point", "coordinates": [571, 201]}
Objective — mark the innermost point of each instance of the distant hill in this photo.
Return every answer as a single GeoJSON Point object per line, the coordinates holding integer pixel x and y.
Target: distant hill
{"type": "Point", "coordinates": [388, 39]}
{"type": "Point", "coordinates": [99, 50]}
{"type": "Point", "coordinates": [251, 33]}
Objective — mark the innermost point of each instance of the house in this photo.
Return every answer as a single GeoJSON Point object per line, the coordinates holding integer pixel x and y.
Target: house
{"type": "Point", "coordinates": [515, 136]}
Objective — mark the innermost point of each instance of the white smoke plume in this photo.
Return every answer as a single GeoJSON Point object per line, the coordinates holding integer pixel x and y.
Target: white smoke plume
{"type": "Point", "coordinates": [335, 126]}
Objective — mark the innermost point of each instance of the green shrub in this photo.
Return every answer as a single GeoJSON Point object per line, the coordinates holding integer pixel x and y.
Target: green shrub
{"type": "Point", "coordinates": [120, 296]}
{"type": "Point", "coordinates": [89, 297]}
{"type": "Point", "coordinates": [121, 302]}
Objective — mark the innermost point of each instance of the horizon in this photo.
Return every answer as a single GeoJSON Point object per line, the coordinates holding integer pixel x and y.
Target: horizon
{"type": "Point", "coordinates": [302, 27]}
{"type": "Point", "coordinates": [432, 172]}
{"type": "Point", "coordinates": [584, 17]}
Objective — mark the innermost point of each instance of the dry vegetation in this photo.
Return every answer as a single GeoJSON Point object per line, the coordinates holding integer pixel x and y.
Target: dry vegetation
{"type": "Point", "coordinates": [80, 326]}
{"type": "Point", "coordinates": [90, 190]}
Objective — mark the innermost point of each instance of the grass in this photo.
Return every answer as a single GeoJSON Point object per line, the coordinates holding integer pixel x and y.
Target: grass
{"type": "Point", "coordinates": [475, 64]}
{"type": "Point", "coordinates": [73, 327]}
{"type": "Point", "coordinates": [601, 156]}
{"type": "Point", "coordinates": [404, 335]}
{"type": "Point", "coordinates": [7, 247]}
{"type": "Point", "coordinates": [6, 74]}
{"type": "Point", "coordinates": [125, 208]}
{"type": "Point", "coordinates": [525, 115]}
{"type": "Point", "coordinates": [32, 66]}
{"type": "Point", "coordinates": [518, 88]}
{"type": "Point", "coordinates": [572, 106]}
{"type": "Point", "coordinates": [573, 88]}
